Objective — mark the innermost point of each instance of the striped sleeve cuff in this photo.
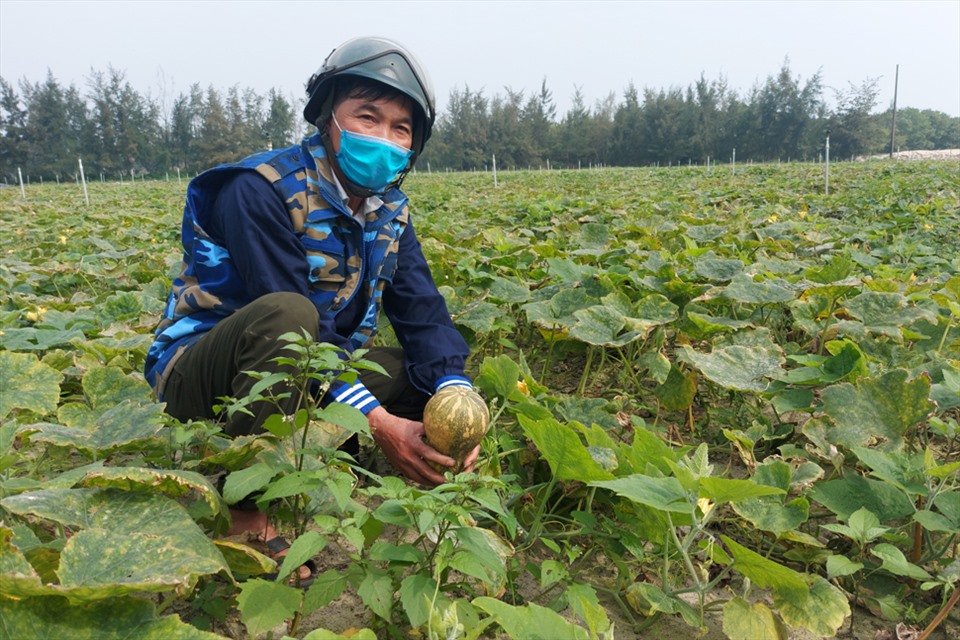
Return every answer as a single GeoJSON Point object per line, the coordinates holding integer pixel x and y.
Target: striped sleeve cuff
{"type": "Point", "coordinates": [452, 381]}
{"type": "Point", "coordinates": [357, 396]}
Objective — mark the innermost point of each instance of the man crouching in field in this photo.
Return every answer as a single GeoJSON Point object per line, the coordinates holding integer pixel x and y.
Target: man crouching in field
{"type": "Point", "coordinates": [318, 237]}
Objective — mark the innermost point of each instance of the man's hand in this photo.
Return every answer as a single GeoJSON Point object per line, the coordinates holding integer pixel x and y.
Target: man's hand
{"type": "Point", "coordinates": [402, 442]}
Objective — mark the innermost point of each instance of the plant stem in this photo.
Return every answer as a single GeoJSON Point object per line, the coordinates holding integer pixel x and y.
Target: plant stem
{"type": "Point", "coordinates": [586, 371]}
{"type": "Point", "coordinates": [536, 525]}
{"type": "Point", "coordinates": [823, 334]}
{"type": "Point", "coordinates": [943, 338]}
{"type": "Point", "coordinates": [940, 616]}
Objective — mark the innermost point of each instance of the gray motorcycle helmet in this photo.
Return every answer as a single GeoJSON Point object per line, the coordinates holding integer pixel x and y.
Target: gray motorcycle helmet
{"type": "Point", "coordinates": [378, 59]}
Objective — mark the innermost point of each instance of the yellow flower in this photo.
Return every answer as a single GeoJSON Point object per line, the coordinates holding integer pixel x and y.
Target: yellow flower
{"type": "Point", "coordinates": [62, 239]}
{"type": "Point", "coordinates": [522, 386]}
{"type": "Point", "coordinates": [772, 218]}
{"type": "Point", "coordinates": [36, 315]}
{"type": "Point", "coordinates": [802, 214]}
{"type": "Point", "coordinates": [705, 506]}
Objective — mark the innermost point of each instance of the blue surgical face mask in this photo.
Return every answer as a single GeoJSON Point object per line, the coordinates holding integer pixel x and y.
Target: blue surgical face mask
{"type": "Point", "coordinates": [369, 161]}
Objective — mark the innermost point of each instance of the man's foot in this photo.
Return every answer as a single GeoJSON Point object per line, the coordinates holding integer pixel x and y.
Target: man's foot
{"type": "Point", "coordinates": [257, 523]}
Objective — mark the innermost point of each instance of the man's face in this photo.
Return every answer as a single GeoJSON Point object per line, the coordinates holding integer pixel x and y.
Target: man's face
{"type": "Point", "coordinates": [388, 118]}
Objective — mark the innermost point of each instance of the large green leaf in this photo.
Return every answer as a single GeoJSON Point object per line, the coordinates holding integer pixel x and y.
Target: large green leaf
{"type": "Point", "coordinates": [326, 588]}
{"type": "Point", "coordinates": [821, 612]}
{"type": "Point", "coordinates": [862, 527]}
{"type": "Point", "coordinates": [509, 291]}
{"type": "Point", "coordinates": [128, 542]}
{"type": "Point", "coordinates": [702, 325]}
{"type": "Point", "coordinates": [650, 599]}
{"type": "Point", "coordinates": [243, 559]}
{"type": "Point", "coordinates": [343, 415]}
{"type": "Point", "coordinates": [242, 482]}
{"type": "Point", "coordinates": [774, 513]}
{"type": "Point", "coordinates": [586, 606]}
{"type": "Point", "coordinates": [36, 339]}
{"type": "Point", "coordinates": [770, 514]}
{"type": "Point", "coordinates": [737, 367]}
{"type": "Point", "coordinates": [895, 562]}
{"type": "Point", "coordinates": [557, 312]}
{"type": "Point", "coordinates": [100, 563]}
{"type": "Point", "coordinates": [649, 449]}
{"type": "Point", "coordinates": [489, 549]}
{"type": "Point", "coordinates": [172, 482]}
{"type": "Point", "coordinates": [678, 390]}
{"type": "Point", "coordinates": [561, 447]}
{"type": "Point", "coordinates": [120, 618]}
{"type": "Point", "coordinates": [834, 271]}
{"type": "Point", "coordinates": [103, 388]}
{"type": "Point", "coordinates": [884, 312]}
{"type": "Point", "coordinates": [744, 289]}
{"type": "Point", "coordinates": [416, 594]}
{"type": "Point", "coordinates": [237, 453]}
{"type": "Point", "coordinates": [718, 269]}
{"type": "Point", "coordinates": [124, 425]}
{"type": "Point", "coordinates": [844, 496]}
{"type": "Point", "coordinates": [12, 560]}
{"type": "Point", "coordinates": [27, 383]}
{"type": "Point", "coordinates": [264, 605]}
{"type": "Point", "coordinates": [650, 311]}
{"type": "Point", "coordinates": [480, 317]}
{"type": "Point", "coordinates": [877, 412]}
{"type": "Point", "coordinates": [663, 494]}
{"type": "Point", "coordinates": [376, 591]}
{"type": "Point", "coordinates": [119, 511]}
{"type": "Point", "coordinates": [904, 470]}
{"type": "Point", "coordinates": [603, 326]}
{"type": "Point", "coordinates": [531, 622]}
{"type": "Point", "coordinates": [498, 378]}
{"type": "Point", "coordinates": [722, 490]}
{"type": "Point", "coordinates": [303, 549]}
{"type": "Point", "coordinates": [764, 572]}
{"type": "Point", "coordinates": [108, 386]}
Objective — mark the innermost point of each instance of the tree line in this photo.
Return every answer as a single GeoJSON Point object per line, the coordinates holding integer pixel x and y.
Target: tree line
{"type": "Point", "coordinates": [117, 131]}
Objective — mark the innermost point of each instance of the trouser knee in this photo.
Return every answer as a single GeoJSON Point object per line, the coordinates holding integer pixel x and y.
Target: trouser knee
{"type": "Point", "coordinates": [275, 314]}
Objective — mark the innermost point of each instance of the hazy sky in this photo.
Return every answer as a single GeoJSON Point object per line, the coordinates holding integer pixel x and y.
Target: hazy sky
{"type": "Point", "coordinates": [164, 47]}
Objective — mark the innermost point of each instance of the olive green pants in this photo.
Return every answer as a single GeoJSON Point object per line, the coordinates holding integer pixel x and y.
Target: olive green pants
{"type": "Point", "coordinates": [247, 340]}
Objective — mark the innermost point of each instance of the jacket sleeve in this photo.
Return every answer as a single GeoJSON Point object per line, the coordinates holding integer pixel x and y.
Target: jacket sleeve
{"type": "Point", "coordinates": [251, 221]}
{"type": "Point", "coordinates": [435, 352]}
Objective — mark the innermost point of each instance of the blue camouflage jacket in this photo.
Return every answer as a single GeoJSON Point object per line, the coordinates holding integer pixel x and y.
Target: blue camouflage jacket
{"type": "Point", "coordinates": [351, 270]}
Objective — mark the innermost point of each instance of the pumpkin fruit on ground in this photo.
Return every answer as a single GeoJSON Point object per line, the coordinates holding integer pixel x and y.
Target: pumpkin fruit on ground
{"type": "Point", "coordinates": [455, 420]}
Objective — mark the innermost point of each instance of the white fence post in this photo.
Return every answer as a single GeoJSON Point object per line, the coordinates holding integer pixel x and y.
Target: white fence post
{"type": "Point", "coordinates": [826, 184]}
{"type": "Point", "coordinates": [83, 179]}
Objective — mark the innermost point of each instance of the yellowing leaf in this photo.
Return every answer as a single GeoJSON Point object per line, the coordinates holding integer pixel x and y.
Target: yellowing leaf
{"type": "Point", "coordinates": [27, 383]}
{"type": "Point", "coordinates": [745, 621]}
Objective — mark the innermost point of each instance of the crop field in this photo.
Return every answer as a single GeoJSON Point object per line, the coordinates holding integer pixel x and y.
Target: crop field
{"type": "Point", "coordinates": [723, 404]}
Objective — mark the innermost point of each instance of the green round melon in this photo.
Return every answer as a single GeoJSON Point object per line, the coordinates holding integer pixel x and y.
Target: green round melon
{"type": "Point", "coordinates": [455, 420]}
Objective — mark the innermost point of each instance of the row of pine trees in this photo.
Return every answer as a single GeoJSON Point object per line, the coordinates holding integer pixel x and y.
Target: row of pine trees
{"type": "Point", "coordinates": [118, 132]}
